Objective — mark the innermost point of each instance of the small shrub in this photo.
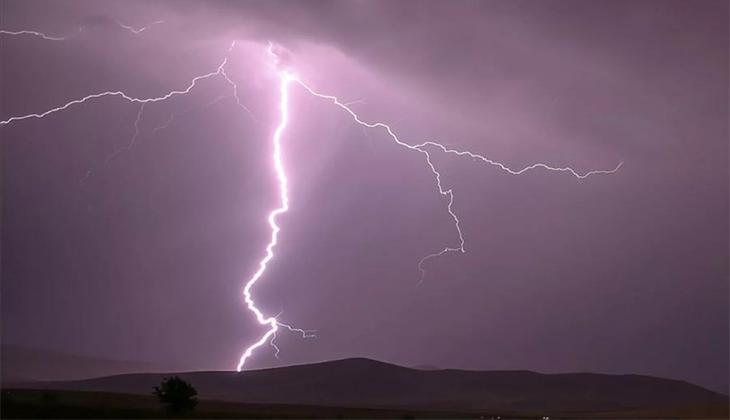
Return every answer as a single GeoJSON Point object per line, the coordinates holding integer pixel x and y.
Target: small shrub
{"type": "Point", "coordinates": [176, 395]}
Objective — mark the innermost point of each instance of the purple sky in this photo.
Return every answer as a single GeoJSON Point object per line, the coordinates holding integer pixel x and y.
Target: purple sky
{"type": "Point", "coordinates": [621, 273]}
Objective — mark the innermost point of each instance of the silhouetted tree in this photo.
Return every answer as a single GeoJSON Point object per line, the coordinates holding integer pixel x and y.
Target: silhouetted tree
{"type": "Point", "coordinates": [177, 395]}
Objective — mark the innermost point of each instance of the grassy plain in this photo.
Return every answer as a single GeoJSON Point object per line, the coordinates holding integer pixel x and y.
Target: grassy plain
{"type": "Point", "coordinates": [25, 403]}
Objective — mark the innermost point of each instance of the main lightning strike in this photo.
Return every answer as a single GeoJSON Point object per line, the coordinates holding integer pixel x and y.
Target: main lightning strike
{"type": "Point", "coordinates": [272, 322]}
{"type": "Point", "coordinates": [286, 80]}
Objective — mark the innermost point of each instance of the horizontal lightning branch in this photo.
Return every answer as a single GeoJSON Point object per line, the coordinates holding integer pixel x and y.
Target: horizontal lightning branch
{"type": "Point", "coordinates": [39, 34]}
{"type": "Point", "coordinates": [422, 148]}
{"type": "Point", "coordinates": [64, 38]}
{"type": "Point", "coordinates": [119, 94]}
{"type": "Point", "coordinates": [140, 30]}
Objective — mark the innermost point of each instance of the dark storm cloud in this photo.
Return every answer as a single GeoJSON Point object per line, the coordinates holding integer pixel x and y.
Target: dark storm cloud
{"type": "Point", "coordinates": [623, 273]}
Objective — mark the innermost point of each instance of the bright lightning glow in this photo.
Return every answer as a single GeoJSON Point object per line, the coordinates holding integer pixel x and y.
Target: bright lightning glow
{"type": "Point", "coordinates": [286, 80]}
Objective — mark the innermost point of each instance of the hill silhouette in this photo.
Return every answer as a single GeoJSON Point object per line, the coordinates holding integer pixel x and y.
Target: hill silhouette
{"type": "Point", "coordinates": [23, 364]}
{"type": "Point", "coordinates": [369, 383]}
{"type": "Point", "coordinates": [426, 367]}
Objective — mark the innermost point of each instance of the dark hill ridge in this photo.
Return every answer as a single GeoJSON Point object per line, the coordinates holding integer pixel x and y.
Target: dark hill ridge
{"type": "Point", "coordinates": [369, 383]}
{"type": "Point", "coordinates": [426, 367]}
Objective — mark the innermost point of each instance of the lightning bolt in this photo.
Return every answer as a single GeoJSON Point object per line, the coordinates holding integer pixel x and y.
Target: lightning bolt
{"type": "Point", "coordinates": [272, 322]}
{"type": "Point", "coordinates": [82, 181]}
{"type": "Point", "coordinates": [448, 193]}
{"type": "Point", "coordinates": [181, 113]}
{"type": "Point", "coordinates": [139, 31]}
{"type": "Point", "coordinates": [39, 34]}
{"type": "Point", "coordinates": [287, 79]}
{"type": "Point", "coordinates": [64, 38]}
{"type": "Point", "coordinates": [120, 94]}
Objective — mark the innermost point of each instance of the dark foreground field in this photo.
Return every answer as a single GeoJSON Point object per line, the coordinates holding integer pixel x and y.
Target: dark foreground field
{"type": "Point", "coordinates": [24, 403]}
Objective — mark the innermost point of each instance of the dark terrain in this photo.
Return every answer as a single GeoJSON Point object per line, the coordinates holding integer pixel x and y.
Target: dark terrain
{"type": "Point", "coordinates": [79, 404]}
{"type": "Point", "coordinates": [369, 383]}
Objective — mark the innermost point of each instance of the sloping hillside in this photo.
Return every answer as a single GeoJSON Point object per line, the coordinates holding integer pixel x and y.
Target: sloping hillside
{"type": "Point", "coordinates": [368, 383]}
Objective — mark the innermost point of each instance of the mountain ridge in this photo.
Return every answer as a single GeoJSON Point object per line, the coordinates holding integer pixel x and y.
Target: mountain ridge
{"type": "Point", "coordinates": [370, 383]}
